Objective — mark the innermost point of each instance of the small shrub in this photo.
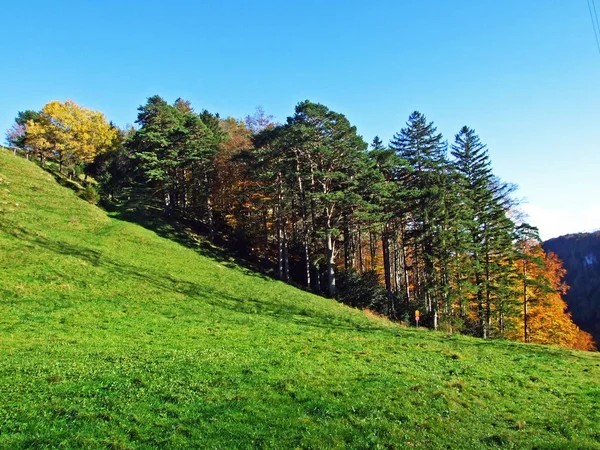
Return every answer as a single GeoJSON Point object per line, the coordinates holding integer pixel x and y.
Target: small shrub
{"type": "Point", "coordinates": [90, 194]}
{"type": "Point", "coordinates": [452, 324]}
{"type": "Point", "coordinates": [362, 290]}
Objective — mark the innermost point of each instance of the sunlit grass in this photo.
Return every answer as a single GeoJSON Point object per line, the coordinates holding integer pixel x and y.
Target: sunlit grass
{"type": "Point", "coordinates": [113, 337]}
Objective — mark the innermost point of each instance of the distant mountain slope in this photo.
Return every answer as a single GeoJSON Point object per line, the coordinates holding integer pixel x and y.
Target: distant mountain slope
{"type": "Point", "coordinates": [581, 256]}
{"type": "Point", "coordinates": [113, 337]}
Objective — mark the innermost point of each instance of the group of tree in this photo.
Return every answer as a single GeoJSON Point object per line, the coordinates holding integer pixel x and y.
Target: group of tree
{"type": "Point", "coordinates": [414, 225]}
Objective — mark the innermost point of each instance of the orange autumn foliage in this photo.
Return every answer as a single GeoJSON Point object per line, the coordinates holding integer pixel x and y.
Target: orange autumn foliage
{"type": "Point", "coordinates": [230, 183]}
{"type": "Point", "coordinates": [548, 321]}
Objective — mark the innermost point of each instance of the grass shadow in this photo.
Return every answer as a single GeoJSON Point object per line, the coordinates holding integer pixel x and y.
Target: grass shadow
{"type": "Point", "coordinates": [295, 313]}
{"type": "Point", "coordinates": [190, 234]}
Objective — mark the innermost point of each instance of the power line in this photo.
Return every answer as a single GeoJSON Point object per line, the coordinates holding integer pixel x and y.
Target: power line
{"type": "Point", "coordinates": [595, 24]}
{"type": "Point", "coordinates": [596, 16]}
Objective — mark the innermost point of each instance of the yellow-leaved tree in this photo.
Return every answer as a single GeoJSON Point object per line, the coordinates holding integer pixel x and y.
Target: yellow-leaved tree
{"type": "Point", "coordinates": [545, 319]}
{"type": "Point", "coordinates": [69, 133]}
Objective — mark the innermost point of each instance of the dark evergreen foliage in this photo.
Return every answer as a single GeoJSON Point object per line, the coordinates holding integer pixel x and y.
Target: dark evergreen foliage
{"type": "Point", "coordinates": [581, 256]}
{"type": "Point", "coordinates": [362, 290]}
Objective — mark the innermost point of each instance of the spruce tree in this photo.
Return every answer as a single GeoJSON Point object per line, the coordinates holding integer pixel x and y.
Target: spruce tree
{"type": "Point", "coordinates": [423, 179]}
{"type": "Point", "coordinates": [485, 231]}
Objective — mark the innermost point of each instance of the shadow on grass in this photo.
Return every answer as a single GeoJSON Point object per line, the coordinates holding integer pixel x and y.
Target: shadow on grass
{"type": "Point", "coordinates": [189, 234]}
{"type": "Point", "coordinates": [209, 295]}
{"type": "Point", "coordinates": [193, 234]}
{"type": "Point", "coordinates": [61, 178]}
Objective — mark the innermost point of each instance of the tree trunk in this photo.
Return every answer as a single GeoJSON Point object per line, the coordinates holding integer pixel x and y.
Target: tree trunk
{"type": "Point", "coordinates": [420, 296]}
{"type": "Point", "coordinates": [488, 297]}
{"type": "Point", "coordinates": [330, 265]}
{"type": "Point", "coordinates": [405, 265]}
{"type": "Point", "coordinates": [286, 261]}
{"type": "Point", "coordinates": [209, 210]}
{"type": "Point", "coordinates": [185, 192]}
{"type": "Point", "coordinates": [306, 258]}
{"type": "Point", "coordinates": [373, 249]}
{"type": "Point", "coordinates": [346, 247]}
{"type": "Point", "coordinates": [305, 229]}
{"type": "Point", "coordinates": [480, 308]}
{"type": "Point", "coordinates": [172, 200]}
{"type": "Point", "coordinates": [385, 245]}
{"type": "Point", "coordinates": [525, 312]}
{"type": "Point", "coordinates": [397, 265]}
{"type": "Point", "coordinates": [279, 250]}
{"type": "Point", "coordinates": [361, 266]}
{"type": "Point", "coordinates": [266, 240]}
{"type": "Point", "coordinates": [349, 248]}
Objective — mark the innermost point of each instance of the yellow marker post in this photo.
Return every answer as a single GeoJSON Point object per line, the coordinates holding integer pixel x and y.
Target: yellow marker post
{"type": "Point", "coordinates": [417, 317]}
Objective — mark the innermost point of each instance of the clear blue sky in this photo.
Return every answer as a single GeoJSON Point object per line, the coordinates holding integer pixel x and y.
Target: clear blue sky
{"type": "Point", "coordinates": [525, 74]}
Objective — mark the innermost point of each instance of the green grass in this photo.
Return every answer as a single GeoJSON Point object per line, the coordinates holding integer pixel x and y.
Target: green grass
{"type": "Point", "coordinates": [114, 337]}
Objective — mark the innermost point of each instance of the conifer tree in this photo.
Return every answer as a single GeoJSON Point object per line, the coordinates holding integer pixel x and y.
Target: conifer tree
{"type": "Point", "coordinates": [424, 151]}
{"type": "Point", "coordinates": [485, 230]}
{"type": "Point", "coordinates": [16, 135]}
{"type": "Point", "coordinates": [174, 149]}
{"type": "Point", "coordinates": [329, 152]}
{"type": "Point", "coordinates": [387, 222]}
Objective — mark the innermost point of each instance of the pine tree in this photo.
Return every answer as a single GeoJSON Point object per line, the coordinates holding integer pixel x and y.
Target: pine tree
{"type": "Point", "coordinates": [16, 135]}
{"type": "Point", "coordinates": [174, 150]}
{"type": "Point", "coordinates": [329, 153]}
{"type": "Point", "coordinates": [423, 179]}
{"type": "Point", "coordinates": [485, 231]}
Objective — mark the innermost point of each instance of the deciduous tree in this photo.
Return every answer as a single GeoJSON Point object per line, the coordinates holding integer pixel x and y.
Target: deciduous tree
{"type": "Point", "coordinates": [69, 133]}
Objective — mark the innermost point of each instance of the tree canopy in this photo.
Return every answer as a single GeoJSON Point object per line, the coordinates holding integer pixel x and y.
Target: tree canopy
{"type": "Point", "coordinates": [64, 131]}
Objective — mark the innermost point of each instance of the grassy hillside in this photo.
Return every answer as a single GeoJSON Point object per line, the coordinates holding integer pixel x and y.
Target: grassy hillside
{"type": "Point", "coordinates": [113, 337]}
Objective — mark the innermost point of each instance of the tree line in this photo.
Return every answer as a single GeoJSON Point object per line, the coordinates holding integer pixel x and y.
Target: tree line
{"type": "Point", "coordinates": [419, 224]}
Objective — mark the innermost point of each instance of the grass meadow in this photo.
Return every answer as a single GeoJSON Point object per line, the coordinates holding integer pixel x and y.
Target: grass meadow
{"type": "Point", "coordinates": [112, 336]}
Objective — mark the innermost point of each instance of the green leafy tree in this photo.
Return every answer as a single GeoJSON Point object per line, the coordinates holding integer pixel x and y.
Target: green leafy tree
{"type": "Point", "coordinates": [16, 135]}
{"type": "Point", "coordinates": [114, 170]}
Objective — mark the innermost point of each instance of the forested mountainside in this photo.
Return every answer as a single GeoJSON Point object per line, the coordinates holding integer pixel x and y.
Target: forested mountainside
{"type": "Point", "coordinates": [114, 336]}
{"type": "Point", "coordinates": [580, 254]}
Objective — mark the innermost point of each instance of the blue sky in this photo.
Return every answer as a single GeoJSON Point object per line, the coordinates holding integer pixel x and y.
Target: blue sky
{"type": "Point", "coordinates": [525, 74]}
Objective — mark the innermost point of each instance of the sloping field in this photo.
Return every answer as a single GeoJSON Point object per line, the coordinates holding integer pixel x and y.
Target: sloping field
{"type": "Point", "coordinates": [113, 337]}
